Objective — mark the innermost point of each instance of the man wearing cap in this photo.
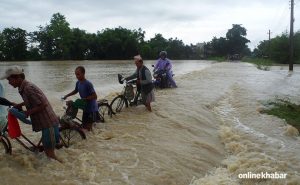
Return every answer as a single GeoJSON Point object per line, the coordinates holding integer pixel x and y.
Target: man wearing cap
{"type": "Point", "coordinates": [38, 109]}
{"type": "Point", "coordinates": [144, 79]}
{"type": "Point", "coordinates": [163, 63]}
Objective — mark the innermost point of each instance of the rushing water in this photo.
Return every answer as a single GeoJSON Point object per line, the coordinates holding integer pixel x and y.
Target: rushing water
{"type": "Point", "coordinates": [57, 78]}
{"type": "Point", "coordinates": [207, 131]}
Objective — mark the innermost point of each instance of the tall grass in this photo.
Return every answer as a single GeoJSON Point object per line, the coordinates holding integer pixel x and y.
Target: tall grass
{"type": "Point", "coordinates": [284, 109]}
{"type": "Point", "coordinates": [262, 64]}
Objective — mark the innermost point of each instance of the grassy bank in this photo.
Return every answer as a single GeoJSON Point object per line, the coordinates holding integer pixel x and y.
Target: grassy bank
{"type": "Point", "coordinates": [286, 110]}
{"type": "Point", "coordinates": [219, 59]}
{"type": "Point", "coordinates": [262, 64]}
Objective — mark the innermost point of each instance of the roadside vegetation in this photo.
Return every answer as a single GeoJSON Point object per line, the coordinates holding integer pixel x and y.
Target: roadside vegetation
{"type": "Point", "coordinates": [284, 109]}
{"type": "Point", "coordinates": [262, 64]}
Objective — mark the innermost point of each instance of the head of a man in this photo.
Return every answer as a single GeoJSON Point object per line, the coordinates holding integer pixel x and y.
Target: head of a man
{"type": "Point", "coordinates": [80, 73]}
{"type": "Point", "coordinates": [163, 55]}
{"type": "Point", "coordinates": [15, 76]}
{"type": "Point", "coordinates": [138, 61]}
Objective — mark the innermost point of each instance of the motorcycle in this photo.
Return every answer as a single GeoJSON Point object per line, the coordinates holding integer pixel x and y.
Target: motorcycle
{"type": "Point", "coordinates": [160, 78]}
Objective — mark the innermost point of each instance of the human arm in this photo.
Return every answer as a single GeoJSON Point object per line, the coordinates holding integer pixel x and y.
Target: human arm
{"type": "Point", "coordinates": [93, 96]}
{"type": "Point", "coordinates": [5, 102]}
{"type": "Point", "coordinates": [36, 109]}
{"type": "Point", "coordinates": [157, 64]}
{"type": "Point", "coordinates": [133, 76]}
{"type": "Point", "coordinates": [168, 65]}
{"type": "Point", "coordinates": [18, 106]}
{"type": "Point", "coordinates": [75, 91]}
{"type": "Point", "coordinates": [36, 100]}
{"type": "Point", "coordinates": [148, 78]}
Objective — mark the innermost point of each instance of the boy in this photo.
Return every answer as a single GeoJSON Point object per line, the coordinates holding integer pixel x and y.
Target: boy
{"type": "Point", "coordinates": [87, 93]}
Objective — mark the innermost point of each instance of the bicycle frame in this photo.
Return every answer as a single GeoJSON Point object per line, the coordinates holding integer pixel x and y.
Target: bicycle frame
{"type": "Point", "coordinates": [135, 101]}
{"type": "Point", "coordinates": [64, 141]}
{"type": "Point", "coordinates": [30, 145]}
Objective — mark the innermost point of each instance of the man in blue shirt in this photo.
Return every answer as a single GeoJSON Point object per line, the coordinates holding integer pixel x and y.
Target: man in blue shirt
{"type": "Point", "coordinates": [87, 93]}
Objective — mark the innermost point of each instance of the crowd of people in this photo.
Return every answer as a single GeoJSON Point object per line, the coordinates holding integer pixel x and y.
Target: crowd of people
{"type": "Point", "coordinates": [42, 115]}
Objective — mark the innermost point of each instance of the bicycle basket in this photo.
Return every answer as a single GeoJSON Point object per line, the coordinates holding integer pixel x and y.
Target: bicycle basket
{"type": "Point", "coordinates": [66, 121]}
{"type": "Point", "coordinates": [129, 93]}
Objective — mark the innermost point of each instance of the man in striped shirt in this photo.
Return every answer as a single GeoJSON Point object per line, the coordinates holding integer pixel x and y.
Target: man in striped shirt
{"type": "Point", "coordinates": [38, 109]}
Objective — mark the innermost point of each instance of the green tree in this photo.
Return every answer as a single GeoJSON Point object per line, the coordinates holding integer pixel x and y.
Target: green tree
{"type": "Point", "coordinates": [14, 44]}
{"type": "Point", "coordinates": [78, 44]}
{"type": "Point", "coordinates": [120, 43]}
{"type": "Point", "coordinates": [279, 48]}
{"type": "Point", "coordinates": [297, 46]}
{"type": "Point", "coordinates": [157, 44]}
{"type": "Point", "coordinates": [1, 47]}
{"type": "Point", "coordinates": [176, 48]}
{"type": "Point", "coordinates": [54, 39]}
{"type": "Point", "coordinates": [236, 39]}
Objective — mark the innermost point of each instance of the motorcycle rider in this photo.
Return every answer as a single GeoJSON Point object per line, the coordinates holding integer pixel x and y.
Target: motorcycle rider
{"type": "Point", "coordinates": [163, 63]}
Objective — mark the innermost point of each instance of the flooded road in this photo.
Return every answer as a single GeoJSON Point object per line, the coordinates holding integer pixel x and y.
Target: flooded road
{"type": "Point", "coordinates": [207, 131]}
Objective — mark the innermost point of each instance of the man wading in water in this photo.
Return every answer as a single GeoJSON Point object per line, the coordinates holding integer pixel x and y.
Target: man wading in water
{"type": "Point", "coordinates": [144, 80]}
{"type": "Point", "coordinates": [38, 109]}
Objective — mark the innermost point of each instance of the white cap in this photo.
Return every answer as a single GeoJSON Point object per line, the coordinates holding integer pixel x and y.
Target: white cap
{"type": "Point", "coordinates": [13, 70]}
{"type": "Point", "coordinates": [137, 57]}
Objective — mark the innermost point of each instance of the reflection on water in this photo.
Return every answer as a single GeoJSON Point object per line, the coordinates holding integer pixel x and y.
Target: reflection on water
{"type": "Point", "coordinates": [56, 78]}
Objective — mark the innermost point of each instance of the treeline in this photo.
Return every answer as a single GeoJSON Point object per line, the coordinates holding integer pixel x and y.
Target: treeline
{"type": "Point", "coordinates": [277, 49]}
{"type": "Point", "coordinates": [57, 41]}
{"type": "Point", "coordinates": [234, 43]}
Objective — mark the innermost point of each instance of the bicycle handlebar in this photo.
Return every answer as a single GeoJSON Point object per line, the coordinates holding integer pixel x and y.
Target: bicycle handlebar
{"type": "Point", "coordinates": [121, 80]}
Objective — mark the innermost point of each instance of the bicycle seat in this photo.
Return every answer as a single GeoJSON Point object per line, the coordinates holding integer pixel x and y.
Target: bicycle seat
{"type": "Point", "coordinates": [102, 101]}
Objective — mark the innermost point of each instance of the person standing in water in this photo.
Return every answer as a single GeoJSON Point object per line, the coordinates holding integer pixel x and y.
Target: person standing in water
{"type": "Point", "coordinates": [87, 93]}
{"type": "Point", "coordinates": [144, 79]}
{"type": "Point", "coordinates": [38, 109]}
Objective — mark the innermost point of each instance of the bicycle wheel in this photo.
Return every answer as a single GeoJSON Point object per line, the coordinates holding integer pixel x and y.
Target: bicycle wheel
{"type": "Point", "coordinates": [117, 103]}
{"type": "Point", "coordinates": [104, 110]}
{"type": "Point", "coordinates": [8, 143]}
{"type": "Point", "coordinates": [4, 148]}
{"type": "Point", "coordinates": [70, 136]}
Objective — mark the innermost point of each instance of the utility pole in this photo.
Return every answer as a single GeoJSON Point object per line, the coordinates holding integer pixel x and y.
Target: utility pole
{"type": "Point", "coordinates": [291, 48]}
{"type": "Point", "coordinates": [269, 44]}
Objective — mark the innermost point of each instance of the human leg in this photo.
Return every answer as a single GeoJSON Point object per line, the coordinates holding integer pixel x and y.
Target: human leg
{"type": "Point", "coordinates": [87, 120]}
{"type": "Point", "coordinates": [147, 99]}
{"type": "Point", "coordinates": [50, 138]}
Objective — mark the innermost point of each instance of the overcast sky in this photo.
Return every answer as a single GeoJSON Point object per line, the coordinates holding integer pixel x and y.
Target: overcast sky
{"type": "Point", "coordinates": [192, 21]}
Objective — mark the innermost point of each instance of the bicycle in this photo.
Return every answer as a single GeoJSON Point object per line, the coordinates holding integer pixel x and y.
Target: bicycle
{"type": "Point", "coordinates": [68, 134]}
{"type": "Point", "coordinates": [103, 108]}
{"type": "Point", "coordinates": [127, 96]}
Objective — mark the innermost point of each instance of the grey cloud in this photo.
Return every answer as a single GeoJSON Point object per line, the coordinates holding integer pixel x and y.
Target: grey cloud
{"type": "Point", "coordinates": [191, 21]}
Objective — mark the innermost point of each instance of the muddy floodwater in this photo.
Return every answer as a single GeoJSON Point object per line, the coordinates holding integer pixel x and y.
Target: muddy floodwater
{"type": "Point", "coordinates": [206, 131]}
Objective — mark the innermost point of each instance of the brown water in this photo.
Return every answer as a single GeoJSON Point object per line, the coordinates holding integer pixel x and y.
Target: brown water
{"type": "Point", "coordinates": [207, 131]}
